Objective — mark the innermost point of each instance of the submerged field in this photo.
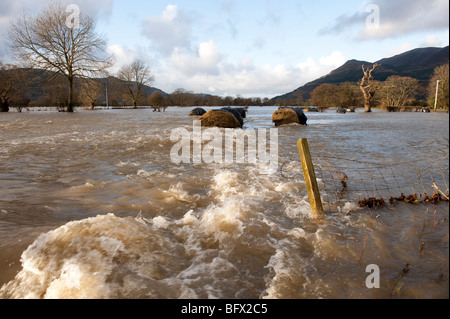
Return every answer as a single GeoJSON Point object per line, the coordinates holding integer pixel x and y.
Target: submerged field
{"type": "Point", "coordinates": [93, 207]}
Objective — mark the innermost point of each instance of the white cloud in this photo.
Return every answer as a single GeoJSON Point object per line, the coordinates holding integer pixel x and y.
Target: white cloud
{"type": "Point", "coordinates": [403, 17]}
{"type": "Point", "coordinates": [397, 18]}
{"type": "Point", "coordinates": [124, 56]}
{"type": "Point", "coordinates": [432, 41]}
{"type": "Point", "coordinates": [243, 78]}
{"type": "Point", "coordinates": [206, 61]}
{"type": "Point", "coordinates": [311, 70]}
{"type": "Point", "coordinates": [402, 48]}
{"type": "Point", "coordinates": [168, 31]}
{"type": "Point", "coordinates": [335, 59]}
{"type": "Point", "coordinates": [121, 55]}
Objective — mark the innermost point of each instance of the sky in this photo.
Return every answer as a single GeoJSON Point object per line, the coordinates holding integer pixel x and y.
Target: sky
{"type": "Point", "coordinates": [251, 48]}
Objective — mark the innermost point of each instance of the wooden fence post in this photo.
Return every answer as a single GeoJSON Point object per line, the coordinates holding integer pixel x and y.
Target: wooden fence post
{"type": "Point", "coordinates": [310, 179]}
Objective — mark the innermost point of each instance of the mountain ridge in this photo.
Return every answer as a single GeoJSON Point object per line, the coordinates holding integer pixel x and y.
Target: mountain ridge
{"type": "Point", "coordinates": [418, 63]}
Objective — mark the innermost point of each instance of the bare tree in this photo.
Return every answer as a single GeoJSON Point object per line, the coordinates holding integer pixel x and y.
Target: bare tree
{"type": "Point", "coordinates": [441, 74]}
{"type": "Point", "coordinates": [49, 43]}
{"type": "Point", "coordinates": [349, 95]}
{"type": "Point", "coordinates": [55, 92]}
{"type": "Point", "coordinates": [90, 91]}
{"type": "Point", "coordinates": [397, 90]}
{"type": "Point", "coordinates": [6, 86]}
{"type": "Point", "coordinates": [367, 87]}
{"type": "Point", "coordinates": [116, 88]}
{"type": "Point", "coordinates": [157, 101]}
{"type": "Point", "coordinates": [325, 95]}
{"type": "Point", "coordinates": [135, 76]}
{"type": "Point", "coordinates": [13, 82]}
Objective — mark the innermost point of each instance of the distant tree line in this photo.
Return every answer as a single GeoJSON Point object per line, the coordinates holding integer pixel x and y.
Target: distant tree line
{"type": "Point", "coordinates": [439, 84]}
{"type": "Point", "coordinates": [67, 66]}
{"type": "Point", "coordinates": [396, 93]}
{"type": "Point", "coordinates": [183, 98]}
{"type": "Point", "coordinates": [27, 87]}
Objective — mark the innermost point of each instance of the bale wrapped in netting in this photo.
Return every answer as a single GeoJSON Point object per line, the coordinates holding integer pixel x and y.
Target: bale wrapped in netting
{"type": "Point", "coordinates": [289, 115]}
{"type": "Point", "coordinates": [220, 118]}
{"type": "Point", "coordinates": [197, 112]}
{"type": "Point", "coordinates": [237, 114]}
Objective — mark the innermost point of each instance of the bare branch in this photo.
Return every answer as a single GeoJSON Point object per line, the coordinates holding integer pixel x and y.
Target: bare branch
{"type": "Point", "coordinates": [47, 43]}
{"type": "Point", "coordinates": [135, 76]}
{"type": "Point", "coordinates": [367, 86]}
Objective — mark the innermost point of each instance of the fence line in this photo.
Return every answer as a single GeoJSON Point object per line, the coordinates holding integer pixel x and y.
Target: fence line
{"type": "Point", "coordinates": [354, 180]}
{"type": "Point", "coordinates": [370, 184]}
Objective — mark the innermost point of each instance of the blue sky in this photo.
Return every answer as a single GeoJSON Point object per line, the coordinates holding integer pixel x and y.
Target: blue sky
{"type": "Point", "coordinates": [253, 47]}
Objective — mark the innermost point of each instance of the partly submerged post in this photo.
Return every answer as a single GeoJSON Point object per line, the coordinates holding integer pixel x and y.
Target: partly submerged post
{"type": "Point", "coordinates": [310, 178]}
{"type": "Point", "coordinates": [437, 94]}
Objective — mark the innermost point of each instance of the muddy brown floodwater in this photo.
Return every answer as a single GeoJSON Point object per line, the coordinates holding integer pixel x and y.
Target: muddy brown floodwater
{"type": "Point", "coordinates": [92, 206]}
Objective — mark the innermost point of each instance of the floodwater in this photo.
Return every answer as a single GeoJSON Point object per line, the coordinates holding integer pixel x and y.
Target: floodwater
{"type": "Point", "coordinates": [92, 206]}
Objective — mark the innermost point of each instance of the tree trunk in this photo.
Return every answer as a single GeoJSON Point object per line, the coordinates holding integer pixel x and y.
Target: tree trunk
{"type": "Point", "coordinates": [70, 99]}
{"type": "Point", "coordinates": [4, 107]}
{"type": "Point", "coordinates": [367, 107]}
{"type": "Point", "coordinates": [367, 87]}
{"type": "Point", "coordinates": [134, 104]}
{"type": "Point", "coordinates": [367, 102]}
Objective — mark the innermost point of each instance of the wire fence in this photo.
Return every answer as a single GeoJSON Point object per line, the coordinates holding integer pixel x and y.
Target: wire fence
{"type": "Point", "coordinates": [376, 184]}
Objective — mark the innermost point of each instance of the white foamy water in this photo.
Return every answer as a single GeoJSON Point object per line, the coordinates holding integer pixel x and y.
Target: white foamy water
{"type": "Point", "coordinates": [92, 207]}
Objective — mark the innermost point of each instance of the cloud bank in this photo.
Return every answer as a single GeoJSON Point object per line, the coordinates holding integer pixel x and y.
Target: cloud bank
{"type": "Point", "coordinates": [396, 18]}
{"type": "Point", "coordinates": [210, 72]}
{"type": "Point", "coordinates": [199, 65]}
{"type": "Point", "coordinates": [169, 31]}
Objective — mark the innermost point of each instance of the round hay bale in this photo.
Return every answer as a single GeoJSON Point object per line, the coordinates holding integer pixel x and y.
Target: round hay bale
{"type": "Point", "coordinates": [285, 116]}
{"type": "Point", "coordinates": [197, 112]}
{"type": "Point", "coordinates": [218, 118]}
{"type": "Point", "coordinates": [242, 111]}
{"type": "Point", "coordinates": [237, 114]}
{"type": "Point", "coordinates": [301, 115]}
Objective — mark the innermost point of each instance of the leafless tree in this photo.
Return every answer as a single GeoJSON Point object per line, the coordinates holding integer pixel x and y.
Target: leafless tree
{"type": "Point", "coordinates": [349, 95]}
{"type": "Point", "coordinates": [116, 88]}
{"type": "Point", "coordinates": [156, 99]}
{"type": "Point", "coordinates": [325, 95]}
{"type": "Point", "coordinates": [55, 92]}
{"type": "Point", "coordinates": [6, 86]}
{"type": "Point", "coordinates": [13, 81]}
{"type": "Point", "coordinates": [47, 42]}
{"type": "Point", "coordinates": [441, 74]}
{"type": "Point", "coordinates": [397, 90]}
{"type": "Point", "coordinates": [90, 91]}
{"type": "Point", "coordinates": [367, 87]}
{"type": "Point", "coordinates": [134, 77]}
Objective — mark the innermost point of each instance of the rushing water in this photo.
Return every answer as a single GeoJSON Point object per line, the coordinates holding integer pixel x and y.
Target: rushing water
{"type": "Point", "coordinates": [91, 206]}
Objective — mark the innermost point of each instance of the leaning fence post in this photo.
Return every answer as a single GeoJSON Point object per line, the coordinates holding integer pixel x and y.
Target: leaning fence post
{"type": "Point", "coordinates": [310, 178]}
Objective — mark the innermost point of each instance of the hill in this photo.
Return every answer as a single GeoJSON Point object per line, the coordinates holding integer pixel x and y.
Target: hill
{"type": "Point", "coordinates": [418, 63]}
{"type": "Point", "coordinates": [47, 87]}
